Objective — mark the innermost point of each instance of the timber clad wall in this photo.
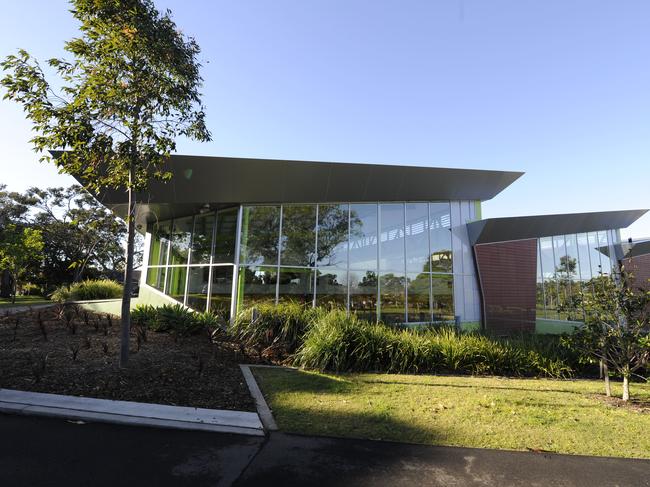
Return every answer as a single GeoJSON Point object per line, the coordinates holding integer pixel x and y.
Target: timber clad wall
{"type": "Point", "coordinates": [508, 273]}
{"type": "Point", "coordinates": [639, 266]}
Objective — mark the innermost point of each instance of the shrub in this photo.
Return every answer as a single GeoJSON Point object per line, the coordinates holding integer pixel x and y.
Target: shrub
{"type": "Point", "coordinates": [88, 290]}
{"type": "Point", "coordinates": [345, 343]}
{"type": "Point", "coordinates": [178, 320]}
{"type": "Point", "coordinates": [267, 324]}
{"type": "Point", "coordinates": [145, 315]}
{"type": "Point", "coordinates": [61, 294]}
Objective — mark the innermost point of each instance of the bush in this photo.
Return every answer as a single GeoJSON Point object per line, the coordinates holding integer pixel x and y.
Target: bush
{"type": "Point", "coordinates": [145, 315]}
{"type": "Point", "coordinates": [88, 290]}
{"type": "Point", "coordinates": [267, 324]}
{"type": "Point", "coordinates": [339, 343]}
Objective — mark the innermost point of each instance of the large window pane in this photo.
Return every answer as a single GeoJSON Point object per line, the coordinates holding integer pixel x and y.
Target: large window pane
{"type": "Point", "coordinates": [363, 294]}
{"type": "Point", "coordinates": [392, 289]}
{"type": "Point", "coordinates": [202, 239]}
{"type": "Point", "coordinates": [391, 237]}
{"type": "Point", "coordinates": [563, 269]}
{"type": "Point", "coordinates": [221, 292]}
{"type": "Point", "coordinates": [418, 297]}
{"type": "Point", "coordinates": [584, 257]}
{"type": "Point", "coordinates": [417, 237]}
{"type": "Point", "coordinates": [547, 260]}
{"type": "Point", "coordinates": [181, 237]}
{"type": "Point", "coordinates": [594, 254]}
{"type": "Point", "coordinates": [333, 236]}
{"type": "Point", "coordinates": [156, 277]}
{"type": "Point", "coordinates": [296, 284]}
{"type": "Point", "coordinates": [160, 234]}
{"type": "Point", "coordinates": [440, 230]}
{"type": "Point", "coordinates": [332, 287]}
{"type": "Point", "coordinates": [298, 242]}
{"type": "Point", "coordinates": [256, 284]}
{"type": "Point", "coordinates": [603, 247]}
{"type": "Point", "coordinates": [224, 245]}
{"type": "Point", "coordinates": [176, 282]}
{"type": "Point", "coordinates": [259, 235]}
{"type": "Point", "coordinates": [197, 287]}
{"type": "Point", "coordinates": [363, 236]}
{"type": "Point", "coordinates": [443, 297]}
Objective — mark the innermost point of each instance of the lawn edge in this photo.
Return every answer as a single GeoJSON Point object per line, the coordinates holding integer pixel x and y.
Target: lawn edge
{"type": "Point", "coordinates": [263, 409]}
{"type": "Point", "coordinates": [129, 413]}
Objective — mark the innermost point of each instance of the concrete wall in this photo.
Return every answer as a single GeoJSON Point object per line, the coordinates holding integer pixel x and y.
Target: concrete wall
{"type": "Point", "coordinates": [148, 295]}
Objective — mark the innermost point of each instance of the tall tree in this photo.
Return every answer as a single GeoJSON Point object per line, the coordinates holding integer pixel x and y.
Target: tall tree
{"type": "Point", "coordinates": [131, 89]}
{"type": "Point", "coordinates": [20, 250]}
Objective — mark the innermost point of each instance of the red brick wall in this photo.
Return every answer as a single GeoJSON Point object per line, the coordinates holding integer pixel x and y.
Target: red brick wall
{"type": "Point", "coordinates": [508, 273]}
{"type": "Point", "coordinates": [639, 266]}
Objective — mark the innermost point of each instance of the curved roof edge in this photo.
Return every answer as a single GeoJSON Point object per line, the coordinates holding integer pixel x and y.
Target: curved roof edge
{"type": "Point", "coordinates": [232, 180]}
{"type": "Point", "coordinates": [537, 226]}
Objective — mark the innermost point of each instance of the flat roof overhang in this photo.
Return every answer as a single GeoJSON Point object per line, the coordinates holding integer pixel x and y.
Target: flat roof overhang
{"type": "Point", "coordinates": [537, 226]}
{"type": "Point", "coordinates": [227, 181]}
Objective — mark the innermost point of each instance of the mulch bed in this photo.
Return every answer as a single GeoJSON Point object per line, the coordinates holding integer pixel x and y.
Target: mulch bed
{"type": "Point", "coordinates": [79, 357]}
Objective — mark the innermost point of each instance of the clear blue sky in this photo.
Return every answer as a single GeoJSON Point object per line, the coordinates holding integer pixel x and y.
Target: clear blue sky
{"type": "Point", "coordinates": [559, 89]}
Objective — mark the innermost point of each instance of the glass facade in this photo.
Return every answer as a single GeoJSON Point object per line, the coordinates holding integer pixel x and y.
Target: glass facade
{"type": "Point", "coordinates": [191, 259]}
{"type": "Point", "coordinates": [566, 265]}
{"type": "Point", "coordinates": [383, 261]}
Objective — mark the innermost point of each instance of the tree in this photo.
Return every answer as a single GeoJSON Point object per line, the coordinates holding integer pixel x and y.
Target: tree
{"type": "Point", "coordinates": [131, 90]}
{"type": "Point", "coordinates": [81, 237]}
{"type": "Point", "coordinates": [617, 327]}
{"type": "Point", "coordinates": [20, 250]}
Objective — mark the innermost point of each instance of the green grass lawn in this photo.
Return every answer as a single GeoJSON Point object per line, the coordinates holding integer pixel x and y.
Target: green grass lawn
{"type": "Point", "coordinates": [484, 412]}
{"type": "Point", "coordinates": [23, 301]}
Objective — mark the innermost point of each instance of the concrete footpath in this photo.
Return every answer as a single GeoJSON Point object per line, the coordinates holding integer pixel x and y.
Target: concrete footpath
{"type": "Point", "coordinates": [38, 451]}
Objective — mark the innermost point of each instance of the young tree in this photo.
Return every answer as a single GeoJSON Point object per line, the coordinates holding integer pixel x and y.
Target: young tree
{"type": "Point", "coordinates": [617, 327]}
{"type": "Point", "coordinates": [131, 89]}
{"type": "Point", "coordinates": [20, 250]}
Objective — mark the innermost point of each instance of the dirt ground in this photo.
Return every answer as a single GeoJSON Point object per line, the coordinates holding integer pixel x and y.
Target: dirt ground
{"type": "Point", "coordinates": [72, 351]}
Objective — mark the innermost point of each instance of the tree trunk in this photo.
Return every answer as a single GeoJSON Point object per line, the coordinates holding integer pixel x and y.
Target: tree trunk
{"type": "Point", "coordinates": [626, 388]}
{"type": "Point", "coordinates": [128, 275]}
{"type": "Point", "coordinates": [608, 387]}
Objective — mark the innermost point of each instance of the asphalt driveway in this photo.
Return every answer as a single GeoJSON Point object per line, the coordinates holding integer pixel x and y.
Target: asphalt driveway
{"type": "Point", "coordinates": [51, 452]}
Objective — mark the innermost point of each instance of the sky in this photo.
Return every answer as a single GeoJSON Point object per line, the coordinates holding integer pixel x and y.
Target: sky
{"type": "Point", "coordinates": [559, 89]}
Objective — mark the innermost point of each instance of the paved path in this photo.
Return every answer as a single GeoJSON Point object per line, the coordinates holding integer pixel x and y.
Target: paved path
{"type": "Point", "coordinates": [51, 452]}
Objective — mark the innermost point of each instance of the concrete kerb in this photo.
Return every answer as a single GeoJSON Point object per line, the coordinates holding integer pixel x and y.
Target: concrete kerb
{"type": "Point", "coordinates": [263, 410]}
{"type": "Point", "coordinates": [131, 413]}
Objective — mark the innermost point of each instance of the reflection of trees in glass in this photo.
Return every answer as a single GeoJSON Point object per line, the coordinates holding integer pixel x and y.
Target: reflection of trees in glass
{"type": "Point", "coordinates": [333, 231]}
{"type": "Point", "coordinates": [568, 266]}
{"type": "Point", "coordinates": [260, 228]}
{"type": "Point", "coordinates": [298, 235]}
{"type": "Point", "coordinates": [441, 261]}
{"type": "Point", "coordinates": [370, 279]}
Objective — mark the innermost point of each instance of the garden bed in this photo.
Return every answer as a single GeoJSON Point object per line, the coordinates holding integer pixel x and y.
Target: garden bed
{"type": "Point", "coordinates": [80, 358]}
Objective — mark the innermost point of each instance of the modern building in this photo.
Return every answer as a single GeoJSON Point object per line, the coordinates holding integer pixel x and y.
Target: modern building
{"type": "Point", "coordinates": [399, 244]}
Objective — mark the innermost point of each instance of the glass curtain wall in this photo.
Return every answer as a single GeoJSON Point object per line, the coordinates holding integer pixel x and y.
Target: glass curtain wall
{"type": "Point", "coordinates": [191, 259]}
{"type": "Point", "coordinates": [566, 265]}
{"type": "Point", "coordinates": [386, 261]}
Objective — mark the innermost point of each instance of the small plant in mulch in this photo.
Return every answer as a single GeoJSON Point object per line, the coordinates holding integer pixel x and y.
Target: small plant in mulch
{"type": "Point", "coordinates": [105, 347]}
{"type": "Point", "coordinates": [109, 320]}
{"type": "Point", "coordinates": [86, 341]}
{"type": "Point", "coordinates": [200, 365]}
{"type": "Point", "coordinates": [70, 324]}
{"type": "Point", "coordinates": [104, 327]}
{"type": "Point", "coordinates": [16, 328]}
{"type": "Point", "coordinates": [73, 348]}
{"type": "Point", "coordinates": [38, 362]}
{"type": "Point", "coordinates": [41, 325]}
{"type": "Point", "coordinates": [140, 335]}
{"type": "Point", "coordinates": [86, 321]}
